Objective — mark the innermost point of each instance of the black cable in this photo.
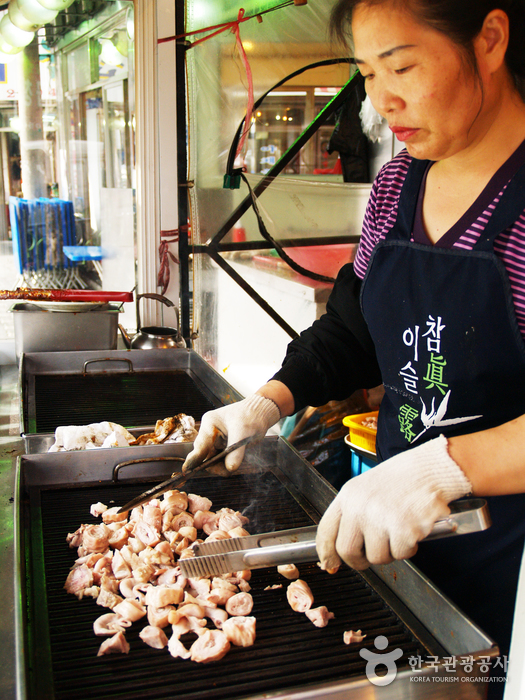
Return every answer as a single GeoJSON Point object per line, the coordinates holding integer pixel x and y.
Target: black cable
{"type": "Point", "coordinates": [230, 169]}
{"type": "Point", "coordinates": [282, 253]}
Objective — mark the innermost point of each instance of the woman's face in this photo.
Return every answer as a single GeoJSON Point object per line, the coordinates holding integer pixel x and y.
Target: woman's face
{"type": "Point", "coordinates": [417, 79]}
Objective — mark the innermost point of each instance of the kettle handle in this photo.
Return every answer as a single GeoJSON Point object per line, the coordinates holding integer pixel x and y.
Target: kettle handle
{"type": "Point", "coordinates": [152, 295]}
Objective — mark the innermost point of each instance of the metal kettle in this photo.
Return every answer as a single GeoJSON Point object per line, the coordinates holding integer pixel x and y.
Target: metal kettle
{"type": "Point", "coordinates": [151, 337]}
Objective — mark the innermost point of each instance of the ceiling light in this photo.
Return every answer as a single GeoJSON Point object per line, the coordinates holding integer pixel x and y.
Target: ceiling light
{"type": "Point", "coordinates": [56, 4]}
{"type": "Point", "coordinates": [7, 49]}
{"type": "Point", "coordinates": [34, 12]}
{"type": "Point", "coordinates": [18, 19]}
{"type": "Point", "coordinates": [13, 35]}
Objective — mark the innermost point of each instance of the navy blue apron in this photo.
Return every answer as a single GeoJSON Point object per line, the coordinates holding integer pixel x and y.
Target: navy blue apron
{"type": "Point", "coordinates": [453, 362]}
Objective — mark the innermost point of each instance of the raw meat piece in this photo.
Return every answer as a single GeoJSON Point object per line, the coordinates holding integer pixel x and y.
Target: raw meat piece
{"type": "Point", "coordinates": [116, 644]}
{"type": "Point", "coordinates": [108, 624]}
{"type": "Point", "coordinates": [160, 596]}
{"type": "Point", "coordinates": [112, 515]}
{"type": "Point", "coordinates": [240, 604]}
{"type": "Point", "coordinates": [78, 579]}
{"type": "Point", "coordinates": [289, 571]}
{"type": "Point", "coordinates": [129, 609]}
{"type": "Point", "coordinates": [177, 649]}
{"type": "Point", "coordinates": [95, 538]}
{"type": "Point", "coordinates": [211, 646]}
{"type": "Point", "coordinates": [217, 615]}
{"type": "Point", "coordinates": [319, 616]}
{"type": "Point", "coordinates": [240, 630]}
{"type": "Point", "coordinates": [299, 596]}
{"type": "Point", "coordinates": [97, 509]}
{"type": "Point", "coordinates": [196, 503]}
{"type": "Point", "coordinates": [350, 636]}
{"type": "Point", "coordinates": [153, 637]}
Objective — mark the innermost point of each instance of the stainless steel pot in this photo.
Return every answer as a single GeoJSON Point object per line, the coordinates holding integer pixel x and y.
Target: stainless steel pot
{"type": "Point", "coordinates": [151, 337]}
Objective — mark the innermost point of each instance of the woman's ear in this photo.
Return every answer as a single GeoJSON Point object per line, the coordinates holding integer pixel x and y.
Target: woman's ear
{"type": "Point", "coordinates": [492, 41]}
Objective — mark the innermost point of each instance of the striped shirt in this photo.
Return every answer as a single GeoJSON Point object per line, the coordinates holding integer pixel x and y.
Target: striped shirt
{"type": "Point", "coordinates": [509, 246]}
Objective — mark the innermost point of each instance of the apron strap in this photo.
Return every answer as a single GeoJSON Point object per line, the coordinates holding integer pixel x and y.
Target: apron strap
{"type": "Point", "coordinates": [509, 208]}
{"type": "Point", "coordinates": [406, 214]}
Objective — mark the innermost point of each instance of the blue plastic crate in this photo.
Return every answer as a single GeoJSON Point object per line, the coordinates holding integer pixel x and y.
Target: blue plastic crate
{"type": "Point", "coordinates": [361, 461]}
{"type": "Point", "coordinates": [361, 464]}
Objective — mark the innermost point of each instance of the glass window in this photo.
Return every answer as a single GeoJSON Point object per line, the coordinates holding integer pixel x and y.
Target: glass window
{"type": "Point", "coordinates": [78, 67]}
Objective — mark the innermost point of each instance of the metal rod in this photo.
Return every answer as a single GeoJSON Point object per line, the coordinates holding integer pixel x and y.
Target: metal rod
{"type": "Point", "coordinates": [284, 242]}
{"type": "Point", "coordinates": [182, 176]}
{"type": "Point", "coordinates": [253, 294]}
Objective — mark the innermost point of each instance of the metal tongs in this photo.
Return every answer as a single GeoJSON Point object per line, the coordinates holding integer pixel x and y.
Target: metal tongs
{"type": "Point", "coordinates": [298, 545]}
{"type": "Point", "coordinates": [177, 479]}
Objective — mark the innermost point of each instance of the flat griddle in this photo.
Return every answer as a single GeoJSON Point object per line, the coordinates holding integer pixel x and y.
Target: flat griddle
{"type": "Point", "coordinates": [276, 489]}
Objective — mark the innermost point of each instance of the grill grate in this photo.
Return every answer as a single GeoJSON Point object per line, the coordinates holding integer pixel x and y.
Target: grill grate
{"type": "Point", "coordinates": [289, 651]}
{"type": "Point", "coordinates": [130, 399]}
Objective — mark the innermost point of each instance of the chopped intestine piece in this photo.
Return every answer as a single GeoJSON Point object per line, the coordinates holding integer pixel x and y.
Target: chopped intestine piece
{"type": "Point", "coordinates": [299, 596]}
{"type": "Point", "coordinates": [177, 649]}
{"type": "Point", "coordinates": [319, 616]}
{"type": "Point", "coordinates": [117, 644]}
{"type": "Point", "coordinates": [350, 636]}
{"type": "Point", "coordinates": [240, 630]}
{"type": "Point", "coordinates": [97, 509]}
{"type": "Point", "coordinates": [239, 604]}
{"type": "Point", "coordinates": [108, 624]}
{"type": "Point", "coordinates": [211, 646]}
{"type": "Point", "coordinates": [289, 571]}
{"type": "Point", "coordinates": [153, 637]}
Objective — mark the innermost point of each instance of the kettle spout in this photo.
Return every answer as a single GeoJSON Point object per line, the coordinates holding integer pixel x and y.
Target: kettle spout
{"type": "Point", "coordinates": [125, 336]}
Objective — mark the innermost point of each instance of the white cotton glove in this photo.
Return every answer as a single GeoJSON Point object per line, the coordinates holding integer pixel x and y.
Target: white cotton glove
{"type": "Point", "coordinates": [382, 514]}
{"type": "Point", "coordinates": [227, 425]}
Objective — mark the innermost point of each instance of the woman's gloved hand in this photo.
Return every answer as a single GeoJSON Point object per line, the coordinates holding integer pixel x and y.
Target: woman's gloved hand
{"type": "Point", "coordinates": [382, 514]}
{"type": "Point", "coordinates": [227, 425]}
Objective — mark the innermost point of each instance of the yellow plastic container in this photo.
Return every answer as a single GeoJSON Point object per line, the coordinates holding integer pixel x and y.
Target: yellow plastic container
{"type": "Point", "coordinates": [360, 435]}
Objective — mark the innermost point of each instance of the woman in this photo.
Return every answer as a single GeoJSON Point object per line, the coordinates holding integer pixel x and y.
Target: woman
{"type": "Point", "coordinates": [434, 306]}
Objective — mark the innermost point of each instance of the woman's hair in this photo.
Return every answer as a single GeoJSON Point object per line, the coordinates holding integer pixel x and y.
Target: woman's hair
{"type": "Point", "coordinates": [460, 20]}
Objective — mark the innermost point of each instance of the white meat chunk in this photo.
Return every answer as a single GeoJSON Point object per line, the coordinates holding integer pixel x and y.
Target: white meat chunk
{"type": "Point", "coordinates": [108, 624]}
{"type": "Point", "coordinates": [146, 533]}
{"type": "Point", "coordinates": [117, 644]}
{"type": "Point", "coordinates": [177, 649]}
{"type": "Point", "coordinates": [153, 516]}
{"type": "Point", "coordinates": [217, 615]}
{"type": "Point", "coordinates": [319, 616]}
{"type": "Point", "coordinates": [153, 637]}
{"type": "Point", "coordinates": [112, 515]}
{"type": "Point", "coordinates": [239, 604]}
{"type": "Point", "coordinates": [299, 596]}
{"type": "Point", "coordinates": [351, 637]}
{"type": "Point", "coordinates": [211, 646]}
{"type": "Point", "coordinates": [95, 538]}
{"type": "Point", "coordinates": [160, 596]}
{"type": "Point", "coordinates": [159, 617]}
{"type": "Point", "coordinates": [130, 609]}
{"type": "Point", "coordinates": [196, 503]}
{"type": "Point", "coordinates": [79, 578]}
{"type": "Point", "coordinates": [289, 571]}
{"type": "Point", "coordinates": [230, 519]}
{"type": "Point", "coordinates": [240, 630]}
{"type": "Point", "coordinates": [97, 509]}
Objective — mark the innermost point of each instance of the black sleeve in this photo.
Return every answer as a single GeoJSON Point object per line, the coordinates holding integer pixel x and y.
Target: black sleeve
{"type": "Point", "coordinates": [336, 355]}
